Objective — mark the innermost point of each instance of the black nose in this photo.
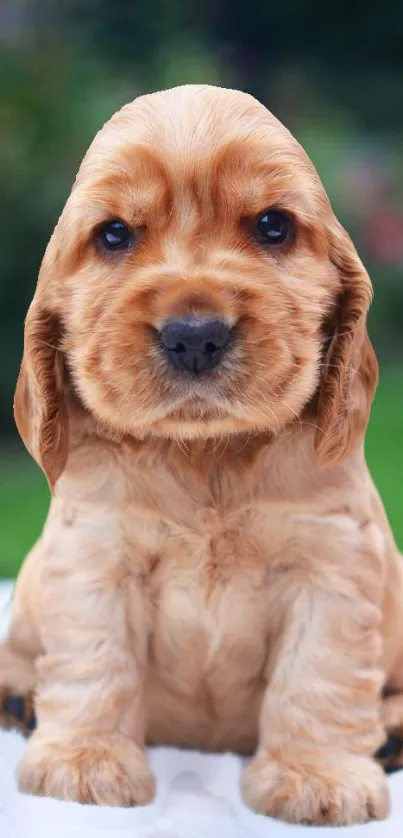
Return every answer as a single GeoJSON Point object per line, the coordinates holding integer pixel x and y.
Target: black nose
{"type": "Point", "coordinates": [195, 344]}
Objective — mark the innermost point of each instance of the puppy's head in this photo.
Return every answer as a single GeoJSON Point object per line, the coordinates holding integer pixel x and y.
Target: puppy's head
{"type": "Point", "coordinates": [197, 285]}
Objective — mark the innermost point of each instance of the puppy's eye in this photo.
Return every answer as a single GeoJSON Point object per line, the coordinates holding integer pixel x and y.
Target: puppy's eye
{"type": "Point", "coordinates": [274, 227]}
{"type": "Point", "coordinates": [115, 235]}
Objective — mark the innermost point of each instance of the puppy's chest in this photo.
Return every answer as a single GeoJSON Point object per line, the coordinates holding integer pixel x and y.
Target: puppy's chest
{"type": "Point", "coordinates": [206, 578]}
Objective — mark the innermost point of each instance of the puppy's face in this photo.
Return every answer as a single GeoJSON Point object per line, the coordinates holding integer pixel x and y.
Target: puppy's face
{"type": "Point", "coordinates": [196, 270]}
{"type": "Point", "coordinates": [194, 273]}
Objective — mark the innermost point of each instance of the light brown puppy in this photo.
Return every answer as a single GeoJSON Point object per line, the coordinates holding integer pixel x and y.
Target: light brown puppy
{"type": "Point", "coordinates": [216, 570]}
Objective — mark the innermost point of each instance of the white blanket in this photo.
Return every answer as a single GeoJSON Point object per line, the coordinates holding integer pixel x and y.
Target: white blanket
{"type": "Point", "coordinates": [198, 797]}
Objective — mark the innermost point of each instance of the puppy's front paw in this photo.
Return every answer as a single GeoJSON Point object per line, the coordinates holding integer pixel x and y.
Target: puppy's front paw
{"type": "Point", "coordinates": [108, 771]}
{"type": "Point", "coordinates": [335, 793]}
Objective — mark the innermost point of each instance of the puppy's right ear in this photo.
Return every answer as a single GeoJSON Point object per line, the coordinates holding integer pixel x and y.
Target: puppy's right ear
{"type": "Point", "coordinates": [39, 404]}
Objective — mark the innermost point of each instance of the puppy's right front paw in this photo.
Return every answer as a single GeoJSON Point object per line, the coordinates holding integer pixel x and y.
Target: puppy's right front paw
{"type": "Point", "coordinates": [107, 771]}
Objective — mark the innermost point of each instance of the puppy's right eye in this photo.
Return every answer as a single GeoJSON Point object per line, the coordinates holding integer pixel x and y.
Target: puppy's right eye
{"type": "Point", "coordinates": [115, 235]}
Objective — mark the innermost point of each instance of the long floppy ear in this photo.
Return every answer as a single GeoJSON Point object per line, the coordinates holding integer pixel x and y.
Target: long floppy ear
{"type": "Point", "coordinates": [350, 368]}
{"type": "Point", "coordinates": [39, 403]}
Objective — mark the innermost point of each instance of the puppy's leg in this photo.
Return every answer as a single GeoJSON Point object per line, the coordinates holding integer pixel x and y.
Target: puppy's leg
{"type": "Point", "coordinates": [21, 648]}
{"type": "Point", "coordinates": [320, 720]}
{"type": "Point", "coordinates": [88, 745]}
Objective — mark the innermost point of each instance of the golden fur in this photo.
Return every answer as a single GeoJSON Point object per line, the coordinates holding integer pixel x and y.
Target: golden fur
{"type": "Point", "coordinates": [216, 570]}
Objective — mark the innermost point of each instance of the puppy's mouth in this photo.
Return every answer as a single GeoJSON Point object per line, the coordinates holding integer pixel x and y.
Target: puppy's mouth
{"type": "Point", "coordinates": [197, 398]}
{"type": "Point", "coordinates": [199, 395]}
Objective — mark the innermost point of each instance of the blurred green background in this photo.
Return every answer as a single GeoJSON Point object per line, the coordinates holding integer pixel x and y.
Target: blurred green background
{"type": "Point", "coordinates": [332, 72]}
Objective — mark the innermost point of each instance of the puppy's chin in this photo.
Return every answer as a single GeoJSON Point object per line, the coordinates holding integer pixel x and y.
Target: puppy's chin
{"type": "Point", "coordinates": [197, 422]}
{"type": "Point", "coordinates": [185, 422]}
{"type": "Point", "coordinates": [188, 430]}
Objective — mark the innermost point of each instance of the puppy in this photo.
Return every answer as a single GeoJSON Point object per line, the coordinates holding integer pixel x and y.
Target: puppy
{"type": "Point", "coordinates": [216, 570]}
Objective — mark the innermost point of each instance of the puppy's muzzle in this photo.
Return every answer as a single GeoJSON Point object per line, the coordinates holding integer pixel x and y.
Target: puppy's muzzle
{"type": "Point", "coordinates": [195, 344]}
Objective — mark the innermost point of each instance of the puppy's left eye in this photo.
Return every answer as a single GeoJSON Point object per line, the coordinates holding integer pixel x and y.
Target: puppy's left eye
{"type": "Point", "coordinates": [115, 235]}
{"type": "Point", "coordinates": [274, 227]}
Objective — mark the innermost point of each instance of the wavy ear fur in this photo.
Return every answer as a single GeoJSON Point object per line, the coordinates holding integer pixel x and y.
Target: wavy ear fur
{"type": "Point", "coordinates": [39, 403]}
{"type": "Point", "coordinates": [350, 372]}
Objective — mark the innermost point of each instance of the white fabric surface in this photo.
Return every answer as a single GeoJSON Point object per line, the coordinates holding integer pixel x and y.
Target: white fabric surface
{"type": "Point", "coordinates": [198, 797]}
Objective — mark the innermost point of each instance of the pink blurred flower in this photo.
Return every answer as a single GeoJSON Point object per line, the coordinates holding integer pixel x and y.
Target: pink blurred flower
{"type": "Point", "coordinates": [383, 235]}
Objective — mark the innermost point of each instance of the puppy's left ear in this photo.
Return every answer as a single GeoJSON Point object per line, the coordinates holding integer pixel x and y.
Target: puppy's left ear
{"type": "Point", "coordinates": [350, 368]}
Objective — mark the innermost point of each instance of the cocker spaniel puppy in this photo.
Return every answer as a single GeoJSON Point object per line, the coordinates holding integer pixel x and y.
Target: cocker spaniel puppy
{"type": "Point", "coordinates": [216, 570]}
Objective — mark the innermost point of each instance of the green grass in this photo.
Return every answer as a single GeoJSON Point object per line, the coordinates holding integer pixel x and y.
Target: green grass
{"type": "Point", "coordinates": [24, 499]}
{"type": "Point", "coordinates": [24, 495]}
{"type": "Point", "coordinates": [384, 447]}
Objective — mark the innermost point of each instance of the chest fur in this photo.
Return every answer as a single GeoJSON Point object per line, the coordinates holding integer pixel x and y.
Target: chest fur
{"type": "Point", "coordinates": [206, 588]}
{"type": "Point", "coordinates": [206, 583]}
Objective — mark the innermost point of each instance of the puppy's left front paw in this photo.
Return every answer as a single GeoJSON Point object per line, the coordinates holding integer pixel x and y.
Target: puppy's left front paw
{"type": "Point", "coordinates": [333, 793]}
